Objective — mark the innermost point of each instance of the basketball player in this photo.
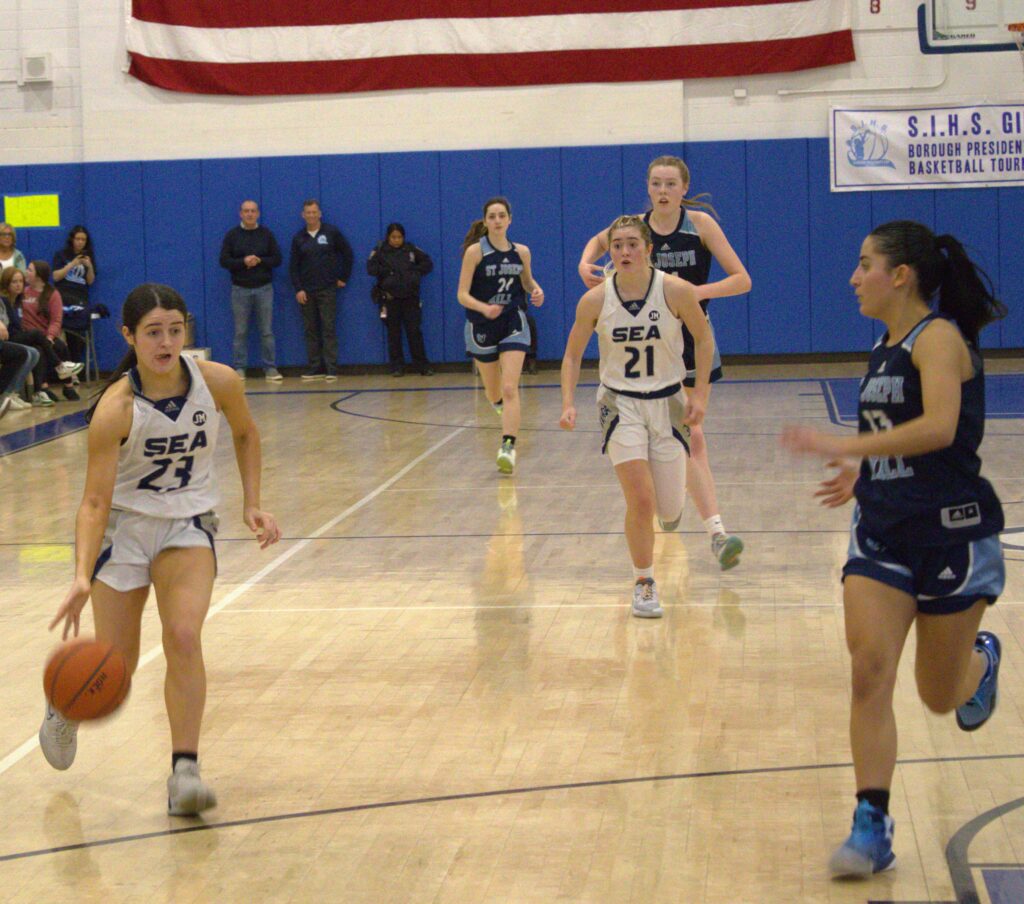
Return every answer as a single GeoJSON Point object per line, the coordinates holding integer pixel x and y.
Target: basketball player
{"type": "Point", "coordinates": [493, 283]}
{"type": "Point", "coordinates": [646, 415]}
{"type": "Point", "coordinates": [924, 543]}
{"type": "Point", "coordinates": [685, 240]}
{"type": "Point", "coordinates": [146, 518]}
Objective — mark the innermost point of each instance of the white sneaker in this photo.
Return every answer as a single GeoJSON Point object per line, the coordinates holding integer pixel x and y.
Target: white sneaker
{"type": "Point", "coordinates": [272, 375]}
{"type": "Point", "coordinates": [645, 599]}
{"type": "Point", "coordinates": [58, 739]}
{"type": "Point", "coordinates": [18, 403]}
{"type": "Point", "coordinates": [507, 458]}
{"type": "Point", "coordinates": [187, 793]}
{"type": "Point", "coordinates": [42, 400]}
{"type": "Point", "coordinates": [240, 371]}
{"type": "Point", "coordinates": [68, 369]}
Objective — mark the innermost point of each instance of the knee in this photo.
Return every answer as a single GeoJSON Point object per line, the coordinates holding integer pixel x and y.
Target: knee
{"type": "Point", "coordinates": [642, 506]}
{"type": "Point", "coordinates": [182, 640]}
{"type": "Point", "coordinates": [698, 447]}
{"type": "Point", "coordinates": [509, 389]}
{"type": "Point", "coordinates": [872, 674]}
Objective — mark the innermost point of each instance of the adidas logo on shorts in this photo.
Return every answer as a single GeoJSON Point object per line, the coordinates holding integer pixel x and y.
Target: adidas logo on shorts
{"type": "Point", "coordinates": [947, 574]}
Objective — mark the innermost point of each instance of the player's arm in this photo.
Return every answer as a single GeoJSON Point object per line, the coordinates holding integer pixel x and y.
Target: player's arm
{"type": "Point", "coordinates": [111, 423]}
{"type": "Point", "coordinates": [228, 392]}
{"type": "Point", "coordinates": [587, 312]}
{"type": "Point", "coordinates": [590, 272]}
{"type": "Point", "coordinates": [737, 280]}
{"type": "Point", "coordinates": [470, 260]}
{"type": "Point", "coordinates": [529, 283]}
{"type": "Point", "coordinates": [939, 356]}
{"type": "Point", "coordinates": [681, 298]}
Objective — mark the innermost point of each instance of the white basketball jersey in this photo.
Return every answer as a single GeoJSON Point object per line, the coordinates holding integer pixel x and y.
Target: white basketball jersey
{"type": "Point", "coordinates": [640, 342]}
{"type": "Point", "coordinates": [165, 468]}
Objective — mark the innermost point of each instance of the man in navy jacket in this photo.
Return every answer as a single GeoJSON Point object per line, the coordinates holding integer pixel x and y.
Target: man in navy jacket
{"type": "Point", "coordinates": [320, 264]}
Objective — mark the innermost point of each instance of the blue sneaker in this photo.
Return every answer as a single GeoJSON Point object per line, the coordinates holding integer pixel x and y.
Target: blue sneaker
{"type": "Point", "coordinates": [977, 711]}
{"type": "Point", "coordinates": [869, 848]}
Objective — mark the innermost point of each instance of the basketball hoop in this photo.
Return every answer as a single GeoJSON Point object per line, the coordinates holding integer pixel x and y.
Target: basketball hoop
{"type": "Point", "coordinates": [1016, 29]}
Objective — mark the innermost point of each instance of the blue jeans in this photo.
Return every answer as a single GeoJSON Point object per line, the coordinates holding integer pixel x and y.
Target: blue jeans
{"type": "Point", "coordinates": [15, 363]}
{"type": "Point", "coordinates": [243, 302]}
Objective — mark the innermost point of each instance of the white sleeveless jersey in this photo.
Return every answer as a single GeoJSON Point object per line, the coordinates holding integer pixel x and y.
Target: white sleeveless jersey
{"type": "Point", "coordinates": [165, 468]}
{"type": "Point", "coordinates": [640, 342]}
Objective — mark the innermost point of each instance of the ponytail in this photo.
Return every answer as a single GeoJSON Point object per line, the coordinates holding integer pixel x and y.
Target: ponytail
{"type": "Point", "coordinates": [943, 268]}
{"type": "Point", "coordinates": [124, 365]}
{"type": "Point", "coordinates": [477, 231]}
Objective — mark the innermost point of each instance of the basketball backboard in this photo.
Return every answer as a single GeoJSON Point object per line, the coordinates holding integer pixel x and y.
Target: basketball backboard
{"type": "Point", "coordinates": [967, 26]}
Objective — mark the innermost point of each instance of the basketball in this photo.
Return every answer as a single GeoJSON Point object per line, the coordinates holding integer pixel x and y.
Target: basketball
{"type": "Point", "coordinates": [86, 679]}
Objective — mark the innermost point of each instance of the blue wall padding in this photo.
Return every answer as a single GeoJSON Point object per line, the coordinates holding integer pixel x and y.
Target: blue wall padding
{"type": "Point", "coordinates": [164, 221]}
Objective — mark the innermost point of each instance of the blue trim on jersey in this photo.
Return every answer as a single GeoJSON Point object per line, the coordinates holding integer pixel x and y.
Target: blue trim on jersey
{"type": "Point", "coordinates": [197, 522]}
{"type": "Point", "coordinates": [101, 560]}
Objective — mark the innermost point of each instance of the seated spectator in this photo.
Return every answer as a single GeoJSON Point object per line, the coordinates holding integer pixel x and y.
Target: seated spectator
{"type": "Point", "coordinates": [16, 361]}
{"type": "Point", "coordinates": [10, 256]}
{"type": "Point", "coordinates": [399, 266]}
{"type": "Point", "coordinates": [74, 270]}
{"type": "Point", "coordinates": [49, 365]}
{"type": "Point", "coordinates": [42, 308]}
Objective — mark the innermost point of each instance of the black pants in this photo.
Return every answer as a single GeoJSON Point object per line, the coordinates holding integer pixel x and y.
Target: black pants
{"type": "Point", "coordinates": [50, 355]}
{"type": "Point", "coordinates": [318, 319]}
{"type": "Point", "coordinates": [405, 312]}
{"type": "Point", "coordinates": [13, 360]}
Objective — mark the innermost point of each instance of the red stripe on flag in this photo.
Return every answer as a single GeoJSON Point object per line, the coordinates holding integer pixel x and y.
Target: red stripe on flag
{"type": "Point", "coordinates": [480, 70]}
{"type": "Point", "coordinates": [281, 13]}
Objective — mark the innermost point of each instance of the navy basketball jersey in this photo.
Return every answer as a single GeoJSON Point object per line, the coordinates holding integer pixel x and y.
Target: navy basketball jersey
{"type": "Point", "coordinates": [497, 280]}
{"type": "Point", "coordinates": [681, 253]}
{"type": "Point", "coordinates": [935, 499]}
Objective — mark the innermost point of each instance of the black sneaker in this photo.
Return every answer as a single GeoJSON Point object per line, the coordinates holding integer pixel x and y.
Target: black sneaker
{"type": "Point", "coordinates": [314, 373]}
{"type": "Point", "coordinates": [427, 372]}
{"type": "Point", "coordinates": [531, 366]}
{"type": "Point", "coordinates": [71, 395]}
{"type": "Point", "coordinates": [50, 394]}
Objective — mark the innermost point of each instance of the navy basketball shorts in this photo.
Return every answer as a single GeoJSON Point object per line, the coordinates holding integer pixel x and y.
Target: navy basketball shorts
{"type": "Point", "coordinates": [943, 579]}
{"type": "Point", "coordinates": [690, 360]}
{"type": "Point", "coordinates": [510, 332]}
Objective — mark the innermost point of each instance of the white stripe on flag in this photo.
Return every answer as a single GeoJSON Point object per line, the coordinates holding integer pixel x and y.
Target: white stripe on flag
{"type": "Point", "coordinates": [596, 31]}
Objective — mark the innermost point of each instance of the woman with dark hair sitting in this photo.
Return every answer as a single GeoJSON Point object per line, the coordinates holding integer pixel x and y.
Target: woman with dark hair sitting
{"type": "Point", "coordinates": [46, 363]}
{"type": "Point", "coordinates": [42, 308]}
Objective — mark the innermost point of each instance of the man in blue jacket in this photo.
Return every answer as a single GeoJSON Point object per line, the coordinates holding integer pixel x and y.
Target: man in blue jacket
{"type": "Point", "coordinates": [320, 264]}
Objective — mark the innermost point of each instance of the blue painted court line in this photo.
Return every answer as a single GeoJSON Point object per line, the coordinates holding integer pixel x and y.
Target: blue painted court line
{"type": "Point", "coordinates": [1004, 398]}
{"type": "Point", "coordinates": [41, 433]}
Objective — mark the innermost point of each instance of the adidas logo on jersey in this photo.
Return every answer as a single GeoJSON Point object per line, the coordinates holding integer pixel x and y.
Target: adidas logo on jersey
{"type": "Point", "coordinates": [947, 574]}
{"type": "Point", "coordinates": [170, 406]}
{"type": "Point", "coordinates": [665, 247]}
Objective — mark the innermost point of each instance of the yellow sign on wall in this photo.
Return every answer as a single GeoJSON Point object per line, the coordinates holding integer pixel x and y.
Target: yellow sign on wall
{"type": "Point", "coordinates": [24, 211]}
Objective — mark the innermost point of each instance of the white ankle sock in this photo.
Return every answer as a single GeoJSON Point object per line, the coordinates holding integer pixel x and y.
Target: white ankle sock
{"type": "Point", "coordinates": [713, 525]}
{"type": "Point", "coordinates": [640, 573]}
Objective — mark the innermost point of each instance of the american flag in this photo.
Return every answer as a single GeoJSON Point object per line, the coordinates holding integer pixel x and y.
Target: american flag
{"type": "Point", "coordinates": [266, 47]}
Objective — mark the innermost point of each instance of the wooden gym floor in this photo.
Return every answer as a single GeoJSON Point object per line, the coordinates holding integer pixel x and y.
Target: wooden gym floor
{"type": "Point", "coordinates": [432, 690]}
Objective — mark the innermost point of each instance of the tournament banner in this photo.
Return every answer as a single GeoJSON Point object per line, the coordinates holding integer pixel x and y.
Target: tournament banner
{"type": "Point", "coordinates": [969, 146]}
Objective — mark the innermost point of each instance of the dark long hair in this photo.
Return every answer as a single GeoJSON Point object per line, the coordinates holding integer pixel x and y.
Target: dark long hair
{"type": "Point", "coordinates": [43, 272]}
{"type": "Point", "coordinates": [69, 249]}
{"type": "Point", "coordinates": [140, 301]}
{"type": "Point", "coordinates": [964, 290]}
{"type": "Point", "coordinates": [478, 228]}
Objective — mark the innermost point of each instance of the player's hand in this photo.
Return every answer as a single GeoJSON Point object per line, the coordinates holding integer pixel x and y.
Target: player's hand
{"type": "Point", "coordinates": [838, 489]}
{"type": "Point", "coordinates": [492, 311]}
{"type": "Point", "coordinates": [808, 441]}
{"type": "Point", "coordinates": [537, 296]}
{"type": "Point", "coordinates": [71, 609]}
{"type": "Point", "coordinates": [568, 419]}
{"type": "Point", "coordinates": [300, 297]}
{"type": "Point", "coordinates": [591, 274]}
{"type": "Point", "coordinates": [264, 525]}
{"type": "Point", "coordinates": [695, 408]}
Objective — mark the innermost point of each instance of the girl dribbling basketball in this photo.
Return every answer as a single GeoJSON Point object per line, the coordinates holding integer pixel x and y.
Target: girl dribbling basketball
{"type": "Point", "coordinates": [146, 518]}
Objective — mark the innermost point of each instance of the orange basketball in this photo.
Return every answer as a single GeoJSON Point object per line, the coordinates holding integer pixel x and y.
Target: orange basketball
{"type": "Point", "coordinates": [86, 679]}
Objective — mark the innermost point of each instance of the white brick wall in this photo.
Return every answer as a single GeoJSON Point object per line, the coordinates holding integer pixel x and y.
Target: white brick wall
{"type": "Point", "coordinates": [94, 111]}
